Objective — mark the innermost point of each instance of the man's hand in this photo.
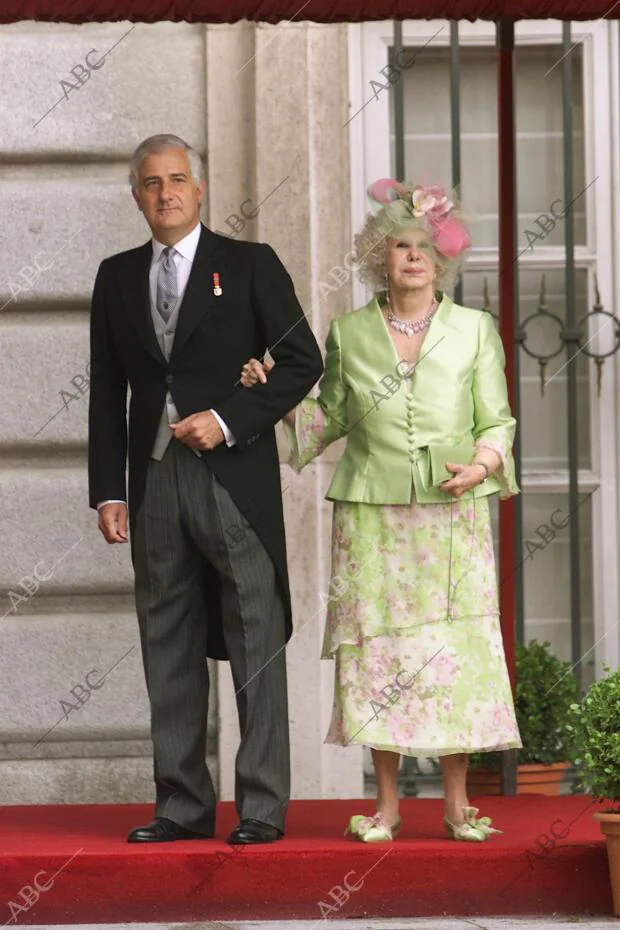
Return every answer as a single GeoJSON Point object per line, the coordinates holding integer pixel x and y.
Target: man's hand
{"type": "Point", "coordinates": [113, 522]}
{"type": "Point", "coordinates": [200, 431]}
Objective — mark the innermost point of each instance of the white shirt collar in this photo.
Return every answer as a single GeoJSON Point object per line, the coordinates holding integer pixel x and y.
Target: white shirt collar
{"type": "Point", "coordinates": [185, 247]}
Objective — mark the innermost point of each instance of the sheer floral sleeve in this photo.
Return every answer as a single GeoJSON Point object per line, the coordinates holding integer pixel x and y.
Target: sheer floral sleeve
{"type": "Point", "coordinates": [505, 474]}
{"type": "Point", "coordinates": [494, 424]}
{"type": "Point", "coordinates": [319, 422]}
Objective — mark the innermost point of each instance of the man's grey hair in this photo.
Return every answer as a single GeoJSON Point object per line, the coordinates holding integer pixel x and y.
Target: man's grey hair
{"type": "Point", "coordinates": [156, 144]}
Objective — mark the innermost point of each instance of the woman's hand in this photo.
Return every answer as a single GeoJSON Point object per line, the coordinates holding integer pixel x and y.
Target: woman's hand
{"type": "Point", "coordinates": [254, 372]}
{"type": "Point", "coordinates": [465, 478]}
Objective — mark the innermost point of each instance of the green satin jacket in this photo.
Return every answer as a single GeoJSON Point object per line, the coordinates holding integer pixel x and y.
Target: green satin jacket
{"type": "Point", "coordinates": [395, 435]}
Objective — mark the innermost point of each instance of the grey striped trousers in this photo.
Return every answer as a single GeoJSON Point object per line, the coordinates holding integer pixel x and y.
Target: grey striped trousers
{"type": "Point", "coordinates": [181, 523]}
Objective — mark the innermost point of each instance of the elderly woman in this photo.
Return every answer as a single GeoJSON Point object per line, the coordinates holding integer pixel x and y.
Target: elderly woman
{"type": "Point", "coordinates": [417, 386]}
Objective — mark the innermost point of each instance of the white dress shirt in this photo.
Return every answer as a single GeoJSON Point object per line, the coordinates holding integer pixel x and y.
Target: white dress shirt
{"type": "Point", "coordinates": [184, 254]}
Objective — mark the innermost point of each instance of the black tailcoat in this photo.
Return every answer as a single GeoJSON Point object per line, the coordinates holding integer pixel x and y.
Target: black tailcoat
{"type": "Point", "coordinates": [215, 336]}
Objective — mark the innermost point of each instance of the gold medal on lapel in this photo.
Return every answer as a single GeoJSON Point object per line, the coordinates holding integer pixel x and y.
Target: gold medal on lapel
{"type": "Point", "coordinates": [217, 290]}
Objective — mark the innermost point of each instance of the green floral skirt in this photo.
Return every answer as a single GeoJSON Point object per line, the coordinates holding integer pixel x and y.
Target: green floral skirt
{"type": "Point", "coordinates": [413, 624]}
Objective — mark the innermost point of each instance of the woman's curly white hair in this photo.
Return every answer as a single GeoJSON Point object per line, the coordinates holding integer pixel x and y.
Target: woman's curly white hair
{"type": "Point", "coordinates": [406, 207]}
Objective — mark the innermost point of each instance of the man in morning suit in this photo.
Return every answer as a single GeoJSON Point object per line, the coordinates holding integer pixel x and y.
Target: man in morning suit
{"type": "Point", "coordinates": [174, 320]}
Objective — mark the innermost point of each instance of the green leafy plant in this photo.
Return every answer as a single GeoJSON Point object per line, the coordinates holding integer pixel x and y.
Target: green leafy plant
{"type": "Point", "coordinates": [594, 728]}
{"type": "Point", "coordinates": [545, 690]}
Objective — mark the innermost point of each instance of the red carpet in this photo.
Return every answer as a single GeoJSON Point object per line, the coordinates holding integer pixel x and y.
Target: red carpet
{"type": "Point", "coordinates": [71, 865]}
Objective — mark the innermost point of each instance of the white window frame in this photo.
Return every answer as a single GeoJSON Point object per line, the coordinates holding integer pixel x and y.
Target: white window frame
{"type": "Point", "coordinates": [369, 138]}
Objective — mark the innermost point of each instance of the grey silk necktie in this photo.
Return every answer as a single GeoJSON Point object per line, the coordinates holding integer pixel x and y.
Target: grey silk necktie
{"type": "Point", "coordinates": [167, 287]}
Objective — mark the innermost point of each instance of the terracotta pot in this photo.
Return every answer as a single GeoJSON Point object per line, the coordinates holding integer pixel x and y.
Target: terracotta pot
{"type": "Point", "coordinates": [610, 825]}
{"type": "Point", "coordinates": [540, 779]}
{"type": "Point", "coordinates": [531, 779]}
{"type": "Point", "coordinates": [481, 780]}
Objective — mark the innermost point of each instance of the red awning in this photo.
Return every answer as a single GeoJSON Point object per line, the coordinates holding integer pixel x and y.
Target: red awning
{"type": "Point", "coordinates": [322, 11]}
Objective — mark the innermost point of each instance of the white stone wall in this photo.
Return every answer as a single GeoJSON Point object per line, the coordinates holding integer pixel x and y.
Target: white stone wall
{"type": "Point", "coordinates": [268, 105]}
{"type": "Point", "coordinates": [65, 204]}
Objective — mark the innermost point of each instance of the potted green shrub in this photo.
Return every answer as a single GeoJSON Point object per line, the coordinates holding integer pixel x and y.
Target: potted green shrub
{"type": "Point", "coordinates": [545, 690]}
{"type": "Point", "coordinates": [594, 727]}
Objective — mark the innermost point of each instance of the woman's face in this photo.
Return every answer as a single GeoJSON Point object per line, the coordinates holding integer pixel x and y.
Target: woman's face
{"type": "Point", "coordinates": [409, 261]}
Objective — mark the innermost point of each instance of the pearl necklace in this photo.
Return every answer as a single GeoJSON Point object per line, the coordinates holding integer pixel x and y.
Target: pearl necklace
{"type": "Point", "coordinates": [410, 328]}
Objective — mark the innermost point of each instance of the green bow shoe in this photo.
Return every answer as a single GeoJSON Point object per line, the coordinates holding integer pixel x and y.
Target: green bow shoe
{"type": "Point", "coordinates": [375, 829]}
{"type": "Point", "coordinates": [474, 830]}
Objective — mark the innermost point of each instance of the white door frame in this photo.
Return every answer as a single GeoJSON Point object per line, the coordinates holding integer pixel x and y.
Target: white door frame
{"type": "Point", "coordinates": [369, 129]}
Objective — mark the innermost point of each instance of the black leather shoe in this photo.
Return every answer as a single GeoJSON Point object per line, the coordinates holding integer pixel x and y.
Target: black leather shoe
{"type": "Point", "coordinates": [254, 831]}
{"type": "Point", "coordinates": [162, 830]}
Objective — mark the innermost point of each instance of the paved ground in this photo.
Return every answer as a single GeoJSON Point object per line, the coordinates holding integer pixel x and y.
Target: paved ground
{"type": "Point", "coordinates": [439, 923]}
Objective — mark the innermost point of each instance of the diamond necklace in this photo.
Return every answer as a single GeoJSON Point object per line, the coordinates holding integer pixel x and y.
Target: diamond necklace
{"type": "Point", "coordinates": [410, 328]}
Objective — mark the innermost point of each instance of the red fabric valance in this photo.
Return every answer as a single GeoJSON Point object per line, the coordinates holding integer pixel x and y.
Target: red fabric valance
{"type": "Point", "coordinates": [323, 11]}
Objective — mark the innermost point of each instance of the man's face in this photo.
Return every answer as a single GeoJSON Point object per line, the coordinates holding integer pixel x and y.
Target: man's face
{"type": "Point", "coordinates": [168, 195]}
